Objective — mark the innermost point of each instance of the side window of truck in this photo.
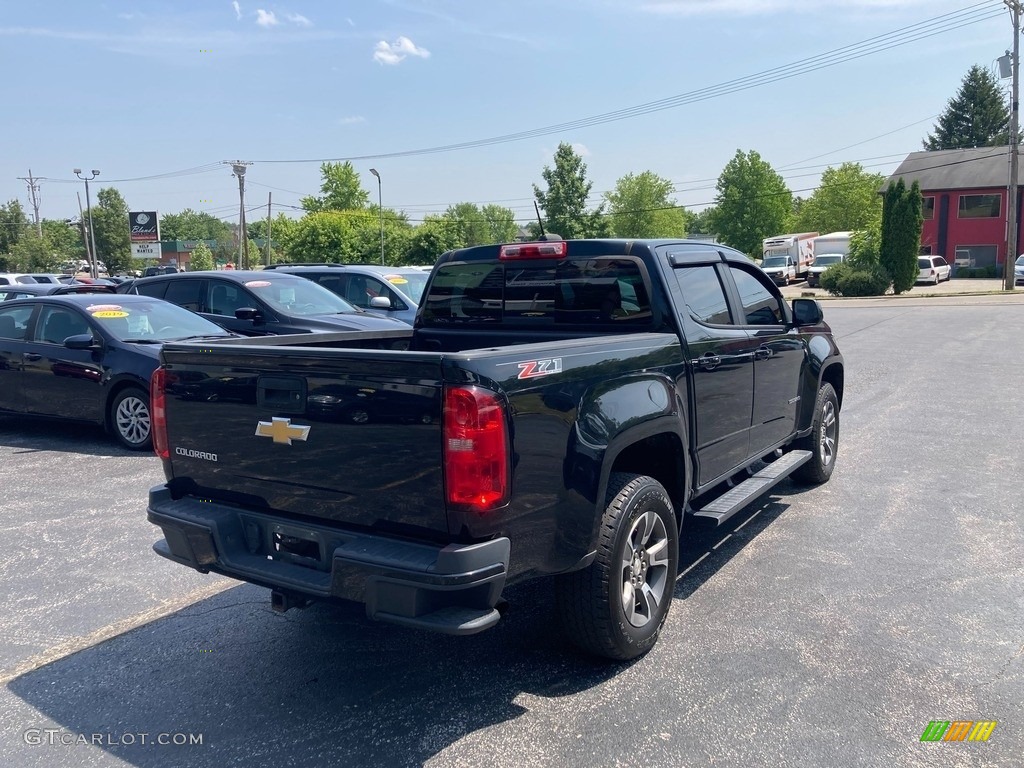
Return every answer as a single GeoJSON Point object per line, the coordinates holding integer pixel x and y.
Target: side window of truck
{"type": "Point", "coordinates": [760, 306]}
{"type": "Point", "coordinates": [704, 294]}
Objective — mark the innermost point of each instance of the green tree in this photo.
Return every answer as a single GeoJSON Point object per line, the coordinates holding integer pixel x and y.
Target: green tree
{"type": "Point", "coordinates": [846, 199]}
{"type": "Point", "coordinates": [195, 225]}
{"type": "Point", "coordinates": [468, 224]}
{"type": "Point", "coordinates": [110, 222]}
{"type": "Point", "coordinates": [752, 203]}
{"type": "Point", "coordinates": [703, 222]}
{"type": "Point", "coordinates": [900, 242]}
{"type": "Point", "coordinates": [64, 239]}
{"type": "Point", "coordinates": [201, 258]}
{"type": "Point", "coordinates": [341, 190]}
{"type": "Point", "coordinates": [564, 202]}
{"type": "Point", "coordinates": [12, 225]}
{"type": "Point", "coordinates": [282, 229]}
{"type": "Point", "coordinates": [642, 206]}
{"type": "Point", "coordinates": [865, 245]}
{"type": "Point", "coordinates": [977, 116]}
{"type": "Point", "coordinates": [430, 239]}
{"type": "Point", "coordinates": [501, 222]}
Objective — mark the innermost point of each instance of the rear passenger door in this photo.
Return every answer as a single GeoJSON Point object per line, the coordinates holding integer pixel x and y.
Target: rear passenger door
{"type": "Point", "coordinates": [720, 361]}
{"type": "Point", "coordinates": [778, 354]}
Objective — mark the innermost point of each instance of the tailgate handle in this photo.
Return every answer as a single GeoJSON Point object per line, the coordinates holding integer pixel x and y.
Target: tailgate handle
{"type": "Point", "coordinates": [281, 393]}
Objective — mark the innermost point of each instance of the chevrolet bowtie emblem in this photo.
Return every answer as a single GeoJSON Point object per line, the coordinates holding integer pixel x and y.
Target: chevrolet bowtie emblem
{"type": "Point", "coordinates": [282, 430]}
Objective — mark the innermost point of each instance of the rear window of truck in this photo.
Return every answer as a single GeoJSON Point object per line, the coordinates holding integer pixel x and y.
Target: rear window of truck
{"type": "Point", "coordinates": [608, 291]}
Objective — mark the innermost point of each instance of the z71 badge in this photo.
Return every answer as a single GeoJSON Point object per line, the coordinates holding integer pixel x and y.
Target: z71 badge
{"type": "Point", "coordinates": [535, 368]}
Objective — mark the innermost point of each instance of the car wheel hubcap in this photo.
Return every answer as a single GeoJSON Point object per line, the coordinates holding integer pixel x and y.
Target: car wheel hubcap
{"type": "Point", "coordinates": [644, 569]}
{"type": "Point", "coordinates": [132, 418]}
{"type": "Point", "coordinates": [828, 433]}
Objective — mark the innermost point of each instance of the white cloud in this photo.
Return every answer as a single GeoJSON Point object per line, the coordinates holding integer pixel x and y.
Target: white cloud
{"type": "Point", "coordinates": [350, 22]}
{"type": "Point", "coordinates": [393, 53]}
{"type": "Point", "coordinates": [266, 18]}
{"type": "Point", "coordinates": [351, 120]}
{"type": "Point", "coordinates": [581, 149]}
{"type": "Point", "coordinates": [298, 18]}
{"type": "Point", "coordinates": [238, 9]}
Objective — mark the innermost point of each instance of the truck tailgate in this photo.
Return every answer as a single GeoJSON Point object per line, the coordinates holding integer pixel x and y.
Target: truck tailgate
{"type": "Point", "coordinates": [351, 436]}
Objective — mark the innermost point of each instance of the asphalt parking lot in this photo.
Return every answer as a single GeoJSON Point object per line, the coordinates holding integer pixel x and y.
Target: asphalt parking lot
{"type": "Point", "coordinates": [821, 627]}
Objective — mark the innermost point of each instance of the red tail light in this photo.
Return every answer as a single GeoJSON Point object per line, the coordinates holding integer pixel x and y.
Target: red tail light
{"type": "Point", "coordinates": [475, 449]}
{"type": "Point", "coordinates": [547, 250]}
{"type": "Point", "coordinates": [158, 413]}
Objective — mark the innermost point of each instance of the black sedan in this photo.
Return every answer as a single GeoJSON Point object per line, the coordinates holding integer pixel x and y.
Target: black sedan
{"type": "Point", "coordinates": [261, 303]}
{"type": "Point", "coordinates": [89, 358]}
{"type": "Point", "coordinates": [20, 291]}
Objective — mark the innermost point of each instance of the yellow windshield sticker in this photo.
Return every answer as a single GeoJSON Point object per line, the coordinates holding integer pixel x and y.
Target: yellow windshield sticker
{"type": "Point", "coordinates": [105, 313]}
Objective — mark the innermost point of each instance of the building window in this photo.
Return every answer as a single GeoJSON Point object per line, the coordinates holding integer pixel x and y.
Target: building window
{"type": "Point", "coordinates": [926, 250]}
{"type": "Point", "coordinates": [928, 207]}
{"type": "Point", "coordinates": [979, 206]}
{"type": "Point", "coordinates": [975, 256]}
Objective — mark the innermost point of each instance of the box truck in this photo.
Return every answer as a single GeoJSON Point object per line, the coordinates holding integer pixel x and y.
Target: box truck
{"type": "Point", "coordinates": [788, 256]}
{"type": "Point", "coordinates": [828, 250]}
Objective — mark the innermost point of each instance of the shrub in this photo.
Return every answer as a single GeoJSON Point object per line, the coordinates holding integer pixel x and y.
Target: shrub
{"type": "Point", "coordinates": [844, 280]}
{"type": "Point", "coordinates": [989, 271]}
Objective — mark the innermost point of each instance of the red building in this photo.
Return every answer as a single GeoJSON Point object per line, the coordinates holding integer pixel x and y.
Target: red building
{"type": "Point", "coordinates": [965, 192]}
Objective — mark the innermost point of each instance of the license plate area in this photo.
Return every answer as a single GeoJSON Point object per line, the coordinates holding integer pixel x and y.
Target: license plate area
{"type": "Point", "coordinates": [297, 546]}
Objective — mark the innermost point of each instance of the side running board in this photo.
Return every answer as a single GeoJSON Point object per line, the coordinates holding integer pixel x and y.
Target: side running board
{"type": "Point", "coordinates": [737, 497]}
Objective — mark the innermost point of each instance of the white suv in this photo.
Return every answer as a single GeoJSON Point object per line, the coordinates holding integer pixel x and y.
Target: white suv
{"type": "Point", "coordinates": [14, 278]}
{"type": "Point", "coordinates": [933, 269]}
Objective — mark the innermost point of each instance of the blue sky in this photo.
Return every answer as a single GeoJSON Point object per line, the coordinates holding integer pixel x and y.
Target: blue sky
{"type": "Point", "coordinates": [139, 89]}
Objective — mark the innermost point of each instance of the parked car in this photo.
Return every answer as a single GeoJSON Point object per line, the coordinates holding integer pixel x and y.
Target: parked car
{"type": "Point", "coordinates": [52, 279]}
{"type": "Point", "coordinates": [10, 292]}
{"type": "Point", "coordinates": [933, 269]}
{"type": "Point", "coordinates": [821, 263]}
{"type": "Point", "coordinates": [260, 303]}
{"type": "Point", "coordinates": [1018, 270]}
{"type": "Point", "coordinates": [89, 358]}
{"type": "Point", "coordinates": [781, 269]}
{"type": "Point", "coordinates": [388, 291]}
{"type": "Point", "coordinates": [15, 278]}
{"type": "Point", "coordinates": [164, 270]}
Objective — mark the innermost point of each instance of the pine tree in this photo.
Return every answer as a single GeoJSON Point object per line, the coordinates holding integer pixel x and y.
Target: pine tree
{"type": "Point", "coordinates": [977, 116]}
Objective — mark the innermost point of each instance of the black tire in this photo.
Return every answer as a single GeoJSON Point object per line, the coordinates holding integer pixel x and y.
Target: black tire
{"type": "Point", "coordinates": [638, 545]}
{"type": "Point", "coordinates": [130, 419]}
{"type": "Point", "coordinates": [823, 442]}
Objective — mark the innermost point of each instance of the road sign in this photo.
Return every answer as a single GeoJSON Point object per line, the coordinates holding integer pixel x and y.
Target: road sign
{"type": "Point", "coordinates": [145, 250]}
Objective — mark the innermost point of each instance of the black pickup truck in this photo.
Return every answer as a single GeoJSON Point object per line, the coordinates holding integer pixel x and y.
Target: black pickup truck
{"type": "Point", "coordinates": [559, 408]}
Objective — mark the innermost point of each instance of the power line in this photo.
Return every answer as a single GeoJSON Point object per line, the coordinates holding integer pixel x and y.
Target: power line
{"type": "Point", "coordinates": [938, 25]}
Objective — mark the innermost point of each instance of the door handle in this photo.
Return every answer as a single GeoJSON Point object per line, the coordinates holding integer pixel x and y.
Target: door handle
{"type": "Point", "coordinates": [709, 361]}
{"type": "Point", "coordinates": [762, 353]}
{"type": "Point", "coordinates": [32, 356]}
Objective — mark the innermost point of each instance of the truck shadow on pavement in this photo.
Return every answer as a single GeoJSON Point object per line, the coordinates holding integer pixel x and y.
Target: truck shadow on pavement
{"type": "Point", "coordinates": [323, 686]}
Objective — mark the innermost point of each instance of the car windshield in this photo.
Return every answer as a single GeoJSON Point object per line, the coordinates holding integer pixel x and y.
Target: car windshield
{"type": "Point", "coordinates": [411, 285]}
{"type": "Point", "coordinates": [774, 261]}
{"type": "Point", "coordinates": [149, 321]}
{"type": "Point", "coordinates": [298, 296]}
{"type": "Point", "coordinates": [827, 258]}
{"type": "Point", "coordinates": [1020, 261]}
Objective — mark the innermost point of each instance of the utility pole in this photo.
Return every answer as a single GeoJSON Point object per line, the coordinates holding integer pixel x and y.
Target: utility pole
{"type": "Point", "coordinates": [33, 189]}
{"type": "Point", "coordinates": [270, 196]}
{"type": "Point", "coordinates": [85, 234]}
{"type": "Point", "coordinates": [238, 169]}
{"type": "Point", "coordinates": [94, 269]}
{"type": "Point", "coordinates": [1011, 213]}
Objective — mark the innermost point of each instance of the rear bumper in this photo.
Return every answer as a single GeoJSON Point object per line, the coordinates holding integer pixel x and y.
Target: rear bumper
{"type": "Point", "coordinates": [451, 589]}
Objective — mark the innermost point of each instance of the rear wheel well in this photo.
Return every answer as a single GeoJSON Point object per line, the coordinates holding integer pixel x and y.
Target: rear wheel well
{"type": "Point", "coordinates": [661, 457]}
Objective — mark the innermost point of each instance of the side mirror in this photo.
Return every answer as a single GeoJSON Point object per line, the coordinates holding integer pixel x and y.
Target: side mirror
{"type": "Point", "coordinates": [249, 313]}
{"type": "Point", "coordinates": [380, 302]}
{"type": "Point", "coordinates": [807, 312]}
{"type": "Point", "coordinates": [81, 341]}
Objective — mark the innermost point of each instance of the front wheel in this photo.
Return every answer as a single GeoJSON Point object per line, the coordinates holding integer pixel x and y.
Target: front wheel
{"type": "Point", "coordinates": [130, 420]}
{"type": "Point", "coordinates": [823, 442]}
{"type": "Point", "coordinates": [616, 607]}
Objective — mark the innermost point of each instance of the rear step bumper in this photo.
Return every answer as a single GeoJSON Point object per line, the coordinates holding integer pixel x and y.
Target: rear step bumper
{"type": "Point", "coordinates": [451, 589]}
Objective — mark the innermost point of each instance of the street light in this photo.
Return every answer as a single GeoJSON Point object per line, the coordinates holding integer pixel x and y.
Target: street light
{"type": "Point", "coordinates": [93, 267]}
{"type": "Point", "coordinates": [380, 207]}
